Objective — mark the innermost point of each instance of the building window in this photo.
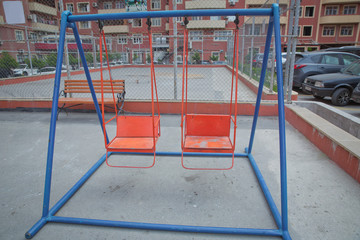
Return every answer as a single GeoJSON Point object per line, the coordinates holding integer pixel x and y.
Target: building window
{"type": "Point", "coordinates": [70, 7]}
{"type": "Point", "coordinates": [257, 29]}
{"type": "Point", "coordinates": [21, 58]}
{"type": "Point", "coordinates": [83, 7]}
{"type": "Point", "coordinates": [346, 30]}
{"type": "Point", "coordinates": [196, 18]}
{"type": "Point", "coordinates": [120, 4]}
{"type": "Point", "coordinates": [331, 10]}
{"type": "Point", "coordinates": [107, 5]}
{"type": "Point", "coordinates": [222, 35]}
{"type": "Point", "coordinates": [348, 10]}
{"type": "Point", "coordinates": [178, 19]}
{"type": "Point", "coordinates": [33, 36]}
{"type": "Point", "coordinates": [195, 35]}
{"type": "Point", "coordinates": [309, 11]}
{"type": "Point", "coordinates": [156, 22]}
{"type": "Point", "coordinates": [307, 31]}
{"type": "Point", "coordinates": [124, 57]}
{"type": "Point", "coordinates": [137, 57]}
{"type": "Point", "coordinates": [122, 39]}
{"type": "Point", "coordinates": [84, 25]}
{"type": "Point", "coordinates": [137, 39]}
{"type": "Point", "coordinates": [155, 4]}
{"type": "Point", "coordinates": [178, 1]}
{"type": "Point", "coordinates": [137, 23]}
{"type": "Point", "coordinates": [19, 35]}
{"type": "Point", "coordinates": [329, 31]}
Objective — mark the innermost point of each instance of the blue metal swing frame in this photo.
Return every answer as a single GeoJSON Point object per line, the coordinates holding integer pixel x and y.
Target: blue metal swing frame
{"type": "Point", "coordinates": [48, 214]}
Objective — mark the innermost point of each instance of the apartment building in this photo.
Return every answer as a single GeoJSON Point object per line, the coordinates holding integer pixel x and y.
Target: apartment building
{"type": "Point", "coordinates": [328, 23]}
{"type": "Point", "coordinates": [322, 24]}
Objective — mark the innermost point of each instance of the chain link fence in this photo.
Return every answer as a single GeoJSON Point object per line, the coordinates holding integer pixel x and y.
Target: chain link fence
{"type": "Point", "coordinates": [28, 51]}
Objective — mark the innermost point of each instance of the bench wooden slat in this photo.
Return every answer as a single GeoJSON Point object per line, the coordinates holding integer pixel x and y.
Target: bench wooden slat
{"type": "Point", "coordinates": [81, 86]}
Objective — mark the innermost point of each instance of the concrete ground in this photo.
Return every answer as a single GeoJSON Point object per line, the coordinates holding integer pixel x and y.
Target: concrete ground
{"type": "Point", "coordinates": [323, 199]}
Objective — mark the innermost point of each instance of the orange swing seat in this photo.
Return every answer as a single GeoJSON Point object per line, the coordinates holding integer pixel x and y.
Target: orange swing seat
{"type": "Point", "coordinates": [135, 134]}
{"type": "Point", "coordinates": [207, 133]}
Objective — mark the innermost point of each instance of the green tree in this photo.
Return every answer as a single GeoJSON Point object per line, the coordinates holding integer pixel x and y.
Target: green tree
{"type": "Point", "coordinates": [135, 57]}
{"type": "Point", "coordinates": [196, 57]}
{"type": "Point", "coordinates": [148, 59]}
{"type": "Point", "coordinates": [7, 61]}
{"type": "Point", "coordinates": [36, 62]}
{"type": "Point", "coordinates": [51, 59]}
{"type": "Point", "coordinates": [73, 61]}
{"type": "Point", "coordinates": [214, 58]}
{"type": "Point", "coordinates": [111, 57]}
{"type": "Point", "coordinates": [89, 58]}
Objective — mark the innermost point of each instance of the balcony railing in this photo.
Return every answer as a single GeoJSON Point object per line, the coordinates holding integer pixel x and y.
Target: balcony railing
{"type": "Point", "coordinates": [205, 4]}
{"type": "Point", "coordinates": [260, 20]}
{"type": "Point", "coordinates": [339, 1]}
{"type": "Point", "coordinates": [207, 24]}
{"type": "Point", "coordinates": [116, 10]}
{"type": "Point", "coordinates": [116, 29]}
{"type": "Point", "coordinates": [339, 19]}
{"type": "Point", "coordinates": [45, 27]}
{"type": "Point", "coordinates": [38, 7]}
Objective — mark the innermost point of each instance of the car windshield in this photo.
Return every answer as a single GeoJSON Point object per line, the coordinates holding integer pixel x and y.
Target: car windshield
{"type": "Point", "coordinates": [22, 66]}
{"type": "Point", "coordinates": [353, 69]}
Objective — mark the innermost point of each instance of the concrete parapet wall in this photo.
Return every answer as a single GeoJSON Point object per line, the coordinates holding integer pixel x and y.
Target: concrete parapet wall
{"type": "Point", "coordinates": [340, 146]}
{"type": "Point", "coordinates": [337, 117]}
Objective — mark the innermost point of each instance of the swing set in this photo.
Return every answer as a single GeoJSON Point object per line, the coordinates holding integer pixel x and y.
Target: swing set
{"type": "Point", "coordinates": [202, 135]}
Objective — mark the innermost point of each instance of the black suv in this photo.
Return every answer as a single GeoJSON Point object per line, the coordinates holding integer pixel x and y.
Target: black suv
{"type": "Point", "coordinates": [314, 63]}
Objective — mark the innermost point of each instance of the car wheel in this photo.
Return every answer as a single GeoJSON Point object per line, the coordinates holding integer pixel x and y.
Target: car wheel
{"type": "Point", "coordinates": [341, 97]}
{"type": "Point", "coordinates": [25, 73]}
{"type": "Point", "coordinates": [318, 97]}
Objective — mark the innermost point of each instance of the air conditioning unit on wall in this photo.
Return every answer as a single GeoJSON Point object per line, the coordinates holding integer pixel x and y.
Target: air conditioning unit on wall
{"type": "Point", "coordinates": [232, 3]}
{"type": "Point", "coordinates": [94, 4]}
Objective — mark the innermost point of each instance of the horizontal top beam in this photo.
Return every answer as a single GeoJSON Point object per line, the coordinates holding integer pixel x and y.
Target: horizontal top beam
{"type": "Point", "coordinates": [175, 13]}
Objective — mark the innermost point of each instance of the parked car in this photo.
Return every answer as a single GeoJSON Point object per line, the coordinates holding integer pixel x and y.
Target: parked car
{"type": "Point", "coordinates": [350, 49]}
{"type": "Point", "coordinates": [318, 62]}
{"type": "Point", "coordinates": [257, 60]}
{"type": "Point", "coordinates": [356, 93]}
{"type": "Point", "coordinates": [338, 86]}
{"type": "Point", "coordinates": [220, 62]}
{"type": "Point", "coordinates": [24, 70]}
{"type": "Point", "coordinates": [5, 72]}
{"type": "Point", "coordinates": [49, 70]}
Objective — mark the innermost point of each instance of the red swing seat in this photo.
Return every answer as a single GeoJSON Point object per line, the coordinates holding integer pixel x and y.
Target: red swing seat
{"type": "Point", "coordinates": [135, 134]}
{"type": "Point", "coordinates": [207, 133]}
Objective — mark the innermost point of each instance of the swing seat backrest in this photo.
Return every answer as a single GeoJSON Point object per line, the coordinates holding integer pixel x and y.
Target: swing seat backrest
{"type": "Point", "coordinates": [207, 125]}
{"type": "Point", "coordinates": [137, 126]}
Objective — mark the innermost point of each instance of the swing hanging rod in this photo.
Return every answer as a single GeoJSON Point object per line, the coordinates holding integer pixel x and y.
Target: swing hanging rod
{"type": "Point", "coordinates": [176, 13]}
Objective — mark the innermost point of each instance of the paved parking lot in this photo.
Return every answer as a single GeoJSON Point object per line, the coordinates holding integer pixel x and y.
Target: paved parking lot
{"type": "Point", "coordinates": [204, 84]}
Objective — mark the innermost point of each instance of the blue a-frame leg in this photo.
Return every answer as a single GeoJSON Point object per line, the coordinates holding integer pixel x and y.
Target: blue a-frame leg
{"type": "Point", "coordinates": [48, 215]}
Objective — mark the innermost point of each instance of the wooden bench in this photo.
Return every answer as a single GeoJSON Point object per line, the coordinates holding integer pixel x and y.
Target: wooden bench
{"type": "Point", "coordinates": [81, 86]}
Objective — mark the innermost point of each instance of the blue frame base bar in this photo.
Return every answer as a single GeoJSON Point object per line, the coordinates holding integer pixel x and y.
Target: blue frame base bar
{"type": "Point", "coordinates": [157, 226]}
{"type": "Point", "coordinates": [280, 217]}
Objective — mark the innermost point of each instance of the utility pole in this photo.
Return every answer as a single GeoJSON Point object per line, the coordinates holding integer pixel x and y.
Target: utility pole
{"type": "Point", "coordinates": [175, 52]}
